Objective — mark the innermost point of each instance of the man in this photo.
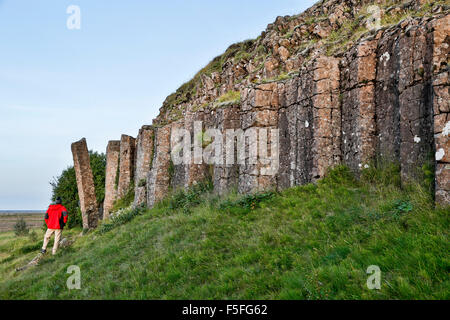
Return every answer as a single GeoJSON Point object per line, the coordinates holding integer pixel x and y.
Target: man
{"type": "Point", "coordinates": [56, 219]}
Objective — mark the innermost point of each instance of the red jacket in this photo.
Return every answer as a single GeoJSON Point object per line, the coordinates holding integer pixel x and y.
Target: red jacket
{"type": "Point", "coordinates": [56, 216]}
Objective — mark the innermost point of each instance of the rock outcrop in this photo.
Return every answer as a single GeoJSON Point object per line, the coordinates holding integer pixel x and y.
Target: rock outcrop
{"type": "Point", "coordinates": [326, 87]}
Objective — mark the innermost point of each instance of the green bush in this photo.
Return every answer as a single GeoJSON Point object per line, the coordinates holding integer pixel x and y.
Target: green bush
{"type": "Point", "coordinates": [186, 199]}
{"type": "Point", "coordinates": [33, 236]}
{"type": "Point", "coordinates": [142, 183]}
{"type": "Point", "coordinates": [122, 218]}
{"type": "Point", "coordinates": [21, 228]}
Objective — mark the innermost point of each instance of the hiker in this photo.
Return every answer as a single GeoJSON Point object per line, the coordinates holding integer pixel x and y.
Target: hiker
{"type": "Point", "coordinates": [56, 219]}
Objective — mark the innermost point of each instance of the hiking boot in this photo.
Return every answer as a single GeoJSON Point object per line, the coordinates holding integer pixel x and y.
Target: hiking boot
{"type": "Point", "coordinates": [43, 251]}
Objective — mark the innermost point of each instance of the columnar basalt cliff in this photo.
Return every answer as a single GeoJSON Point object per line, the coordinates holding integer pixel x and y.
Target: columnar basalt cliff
{"type": "Point", "coordinates": [325, 87]}
{"type": "Point", "coordinates": [111, 177]}
{"type": "Point", "coordinates": [85, 184]}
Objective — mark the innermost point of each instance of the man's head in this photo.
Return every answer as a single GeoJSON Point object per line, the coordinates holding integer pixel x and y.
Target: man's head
{"type": "Point", "coordinates": [58, 200]}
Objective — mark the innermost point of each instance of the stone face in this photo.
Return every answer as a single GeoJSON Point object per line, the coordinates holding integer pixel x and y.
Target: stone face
{"type": "Point", "coordinates": [158, 181]}
{"type": "Point", "coordinates": [112, 171]}
{"type": "Point", "coordinates": [126, 165]}
{"type": "Point", "coordinates": [85, 184]}
{"type": "Point", "coordinates": [144, 158]}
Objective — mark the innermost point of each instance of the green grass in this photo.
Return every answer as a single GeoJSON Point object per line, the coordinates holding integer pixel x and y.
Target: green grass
{"type": "Point", "coordinates": [281, 77]}
{"type": "Point", "coordinates": [231, 97]}
{"type": "Point", "coordinates": [308, 242]}
{"type": "Point", "coordinates": [126, 201]}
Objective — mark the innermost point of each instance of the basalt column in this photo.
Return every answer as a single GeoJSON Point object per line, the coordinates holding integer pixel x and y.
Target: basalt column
{"type": "Point", "coordinates": [85, 184]}
{"type": "Point", "coordinates": [259, 144]}
{"type": "Point", "coordinates": [326, 113]}
{"type": "Point", "coordinates": [179, 168]}
{"type": "Point", "coordinates": [112, 175]}
{"type": "Point", "coordinates": [387, 96]}
{"type": "Point", "coordinates": [415, 107]}
{"type": "Point", "coordinates": [226, 174]}
{"type": "Point", "coordinates": [126, 166]}
{"type": "Point", "coordinates": [159, 177]}
{"type": "Point", "coordinates": [310, 123]}
{"type": "Point", "coordinates": [441, 107]}
{"type": "Point", "coordinates": [287, 123]}
{"type": "Point", "coordinates": [358, 105]}
{"type": "Point", "coordinates": [196, 170]}
{"type": "Point", "coordinates": [144, 157]}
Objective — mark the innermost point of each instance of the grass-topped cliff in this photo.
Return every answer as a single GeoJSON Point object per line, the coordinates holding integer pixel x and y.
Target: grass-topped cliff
{"type": "Point", "coordinates": [309, 242]}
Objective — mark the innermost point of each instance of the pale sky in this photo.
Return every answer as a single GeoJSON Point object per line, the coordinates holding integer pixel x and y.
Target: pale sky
{"type": "Point", "coordinates": [106, 79]}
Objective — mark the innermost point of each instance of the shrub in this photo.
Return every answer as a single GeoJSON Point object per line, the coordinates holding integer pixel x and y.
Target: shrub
{"type": "Point", "coordinates": [122, 217]}
{"type": "Point", "coordinates": [142, 183]}
{"type": "Point", "coordinates": [21, 228]}
{"type": "Point", "coordinates": [339, 175]}
{"type": "Point", "coordinates": [186, 199]}
{"type": "Point", "coordinates": [382, 172]}
{"type": "Point", "coordinates": [125, 201]}
{"type": "Point", "coordinates": [33, 236]}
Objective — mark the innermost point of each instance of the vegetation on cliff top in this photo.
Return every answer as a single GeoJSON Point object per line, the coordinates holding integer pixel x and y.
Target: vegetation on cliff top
{"type": "Point", "coordinates": [344, 34]}
{"type": "Point", "coordinates": [308, 242]}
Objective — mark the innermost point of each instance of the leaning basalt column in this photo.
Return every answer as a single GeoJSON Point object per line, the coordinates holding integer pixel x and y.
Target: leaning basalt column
{"type": "Point", "coordinates": [159, 177]}
{"type": "Point", "coordinates": [259, 120]}
{"type": "Point", "coordinates": [441, 108]}
{"type": "Point", "coordinates": [358, 105]}
{"type": "Point", "coordinates": [85, 184]}
{"type": "Point", "coordinates": [126, 167]}
{"type": "Point", "coordinates": [144, 157]}
{"type": "Point", "coordinates": [112, 172]}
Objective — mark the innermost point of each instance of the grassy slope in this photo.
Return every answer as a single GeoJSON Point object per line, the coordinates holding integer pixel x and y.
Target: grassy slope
{"type": "Point", "coordinates": [308, 242]}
